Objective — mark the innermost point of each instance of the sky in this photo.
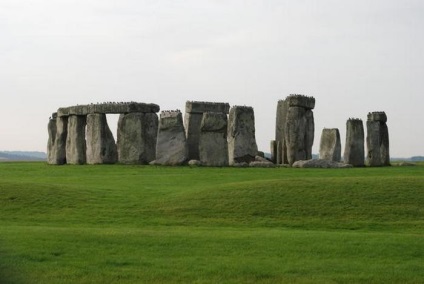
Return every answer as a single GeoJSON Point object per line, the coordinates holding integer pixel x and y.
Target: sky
{"type": "Point", "coordinates": [354, 57]}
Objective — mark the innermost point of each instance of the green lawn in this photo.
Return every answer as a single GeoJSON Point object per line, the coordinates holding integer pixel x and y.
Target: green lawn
{"type": "Point", "coordinates": [144, 224]}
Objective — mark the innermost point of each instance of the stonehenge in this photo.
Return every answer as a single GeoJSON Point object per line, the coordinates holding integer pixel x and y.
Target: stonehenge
{"type": "Point", "coordinates": [295, 128]}
{"type": "Point", "coordinates": [354, 149]}
{"type": "Point", "coordinates": [377, 140]}
{"type": "Point", "coordinates": [211, 134]}
{"type": "Point", "coordinates": [330, 147]}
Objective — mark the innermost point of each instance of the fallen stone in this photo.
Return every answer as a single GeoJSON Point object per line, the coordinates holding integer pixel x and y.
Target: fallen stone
{"type": "Point", "coordinates": [194, 163]}
{"type": "Point", "coordinates": [258, 164]}
{"type": "Point", "coordinates": [319, 163]}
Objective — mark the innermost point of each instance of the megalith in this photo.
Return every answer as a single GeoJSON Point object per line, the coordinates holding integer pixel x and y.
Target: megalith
{"type": "Point", "coordinates": [241, 138]}
{"type": "Point", "coordinates": [52, 130]}
{"type": "Point", "coordinates": [101, 147]}
{"type": "Point", "coordinates": [330, 148]}
{"type": "Point", "coordinates": [171, 147]}
{"type": "Point", "coordinates": [56, 145]}
{"type": "Point", "coordinates": [295, 129]}
{"type": "Point", "coordinates": [137, 134]}
{"type": "Point", "coordinates": [377, 140]}
{"type": "Point", "coordinates": [193, 120]}
{"type": "Point", "coordinates": [354, 153]}
{"type": "Point", "coordinates": [213, 146]}
{"type": "Point", "coordinates": [75, 142]}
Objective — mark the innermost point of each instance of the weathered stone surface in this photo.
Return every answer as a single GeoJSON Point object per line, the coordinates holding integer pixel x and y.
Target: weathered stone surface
{"type": "Point", "coordinates": [137, 134]}
{"type": "Point", "coordinates": [213, 147]}
{"type": "Point", "coordinates": [377, 140]}
{"type": "Point", "coordinates": [305, 102]}
{"type": "Point", "coordinates": [273, 148]}
{"type": "Point", "coordinates": [330, 146]}
{"type": "Point", "coordinates": [105, 108]}
{"type": "Point", "coordinates": [75, 142]}
{"type": "Point", "coordinates": [194, 163]}
{"type": "Point", "coordinates": [59, 156]}
{"type": "Point", "coordinates": [52, 130]}
{"type": "Point", "coordinates": [262, 159]}
{"type": "Point", "coordinates": [354, 153]}
{"type": "Point", "coordinates": [242, 145]}
{"type": "Point", "coordinates": [101, 147]}
{"type": "Point", "coordinates": [319, 163]}
{"type": "Point", "coordinates": [201, 107]}
{"type": "Point", "coordinates": [280, 128]}
{"type": "Point", "coordinates": [171, 148]}
{"type": "Point", "coordinates": [258, 164]}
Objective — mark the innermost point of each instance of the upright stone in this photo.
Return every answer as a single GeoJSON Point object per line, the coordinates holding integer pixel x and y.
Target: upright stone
{"type": "Point", "coordinates": [377, 140]}
{"type": "Point", "coordinates": [193, 120]}
{"type": "Point", "coordinates": [137, 134]}
{"type": "Point", "coordinates": [171, 148]}
{"type": "Point", "coordinates": [52, 130]}
{"type": "Point", "coordinates": [354, 153]}
{"type": "Point", "coordinates": [274, 151]}
{"type": "Point", "coordinates": [295, 129]}
{"type": "Point", "coordinates": [101, 147]}
{"type": "Point", "coordinates": [59, 154]}
{"type": "Point", "coordinates": [330, 148]}
{"type": "Point", "coordinates": [213, 147]}
{"type": "Point", "coordinates": [75, 142]}
{"type": "Point", "coordinates": [241, 135]}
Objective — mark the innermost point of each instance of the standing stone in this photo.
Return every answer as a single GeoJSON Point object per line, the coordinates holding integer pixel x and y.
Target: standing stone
{"type": "Point", "coordinates": [193, 120]}
{"type": "Point", "coordinates": [171, 148]}
{"type": "Point", "coordinates": [75, 142]}
{"type": "Point", "coordinates": [101, 147]}
{"type": "Point", "coordinates": [330, 148]}
{"type": "Point", "coordinates": [274, 150]}
{"type": "Point", "coordinates": [137, 134]}
{"type": "Point", "coordinates": [52, 131]}
{"type": "Point", "coordinates": [213, 147]}
{"type": "Point", "coordinates": [59, 156]}
{"type": "Point", "coordinates": [354, 150]}
{"type": "Point", "coordinates": [377, 140]}
{"type": "Point", "coordinates": [295, 129]}
{"type": "Point", "coordinates": [241, 135]}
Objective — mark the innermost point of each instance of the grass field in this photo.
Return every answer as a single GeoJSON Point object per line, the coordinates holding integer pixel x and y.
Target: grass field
{"type": "Point", "coordinates": [144, 224]}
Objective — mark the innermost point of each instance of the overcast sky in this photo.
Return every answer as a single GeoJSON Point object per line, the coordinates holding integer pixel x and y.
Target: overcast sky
{"type": "Point", "coordinates": [352, 56]}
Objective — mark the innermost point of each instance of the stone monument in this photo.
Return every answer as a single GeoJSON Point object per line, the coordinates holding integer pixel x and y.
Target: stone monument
{"type": "Point", "coordinates": [213, 147]}
{"type": "Point", "coordinates": [354, 150]}
{"type": "Point", "coordinates": [330, 146]}
{"type": "Point", "coordinates": [377, 140]}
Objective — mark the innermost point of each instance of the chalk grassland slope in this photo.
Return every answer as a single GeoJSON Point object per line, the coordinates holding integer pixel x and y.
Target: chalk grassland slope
{"type": "Point", "coordinates": [126, 224]}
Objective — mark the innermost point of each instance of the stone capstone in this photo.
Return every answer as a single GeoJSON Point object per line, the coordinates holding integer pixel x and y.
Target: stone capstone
{"type": "Point", "coordinates": [101, 147]}
{"type": "Point", "coordinates": [105, 108]}
{"type": "Point", "coordinates": [377, 140]}
{"type": "Point", "coordinates": [330, 146]}
{"type": "Point", "coordinates": [242, 145]}
{"type": "Point", "coordinates": [213, 147]}
{"type": "Point", "coordinates": [319, 163]}
{"type": "Point", "coordinates": [171, 148]}
{"type": "Point", "coordinates": [75, 142]}
{"type": "Point", "coordinates": [137, 134]}
{"type": "Point", "coordinates": [354, 153]}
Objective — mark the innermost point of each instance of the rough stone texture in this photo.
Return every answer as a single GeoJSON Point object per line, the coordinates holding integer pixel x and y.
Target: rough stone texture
{"type": "Point", "coordinates": [319, 163]}
{"type": "Point", "coordinates": [59, 156]}
{"type": "Point", "coordinates": [124, 107]}
{"type": "Point", "coordinates": [137, 134]}
{"type": "Point", "coordinates": [171, 148]}
{"type": "Point", "coordinates": [213, 147]}
{"type": "Point", "coordinates": [354, 150]}
{"type": "Point", "coordinates": [51, 150]}
{"type": "Point", "coordinates": [258, 164]}
{"type": "Point", "coordinates": [294, 129]}
{"type": "Point", "coordinates": [75, 142]}
{"type": "Point", "coordinates": [193, 120]}
{"type": "Point", "coordinates": [101, 147]}
{"type": "Point", "coordinates": [241, 135]}
{"type": "Point", "coordinates": [330, 146]}
{"type": "Point", "coordinates": [262, 159]}
{"type": "Point", "coordinates": [377, 140]}
{"type": "Point", "coordinates": [194, 163]}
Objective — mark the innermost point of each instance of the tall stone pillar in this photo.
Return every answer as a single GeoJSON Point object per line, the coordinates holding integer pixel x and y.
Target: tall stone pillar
{"type": "Point", "coordinates": [171, 148]}
{"type": "Point", "coordinates": [137, 134]}
{"type": "Point", "coordinates": [330, 146]}
{"type": "Point", "coordinates": [213, 146]}
{"type": "Point", "coordinates": [52, 130]}
{"type": "Point", "coordinates": [75, 142]}
{"type": "Point", "coordinates": [295, 128]}
{"type": "Point", "coordinates": [377, 140]}
{"type": "Point", "coordinates": [101, 147]}
{"type": "Point", "coordinates": [193, 120]}
{"type": "Point", "coordinates": [354, 153]}
{"type": "Point", "coordinates": [242, 145]}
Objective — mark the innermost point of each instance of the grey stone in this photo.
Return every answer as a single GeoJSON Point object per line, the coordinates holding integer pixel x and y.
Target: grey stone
{"type": "Point", "coordinates": [330, 146]}
{"type": "Point", "coordinates": [213, 147]}
{"type": "Point", "coordinates": [59, 156]}
{"type": "Point", "coordinates": [262, 159]}
{"type": "Point", "coordinates": [51, 150]}
{"type": "Point", "coordinates": [242, 145]}
{"type": "Point", "coordinates": [406, 164]}
{"type": "Point", "coordinates": [240, 165]}
{"type": "Point", "coordinates": [105, 108]}
{"type": "Point", "coordinates": [171, 148]}
{"type": "Point", "coordinates": [319, 163]}
{"type": "Point", "coordinates": [194, 163]}
{"type": "Point", "coordinates": [377, 140]}
{"type": "Point", "coordinates": [297, 100]}
{"type": "Point", "coordinates": [193, 120]}
{"type": "Point", "coordinates": [101, 147]}
{"type": "Point", "coordinates": [258, 164]}
{"type": "Point", "coordinates": [280, 128]}
{"type": "Point", "coordinates": [75, 142]}
{"type": "Point", "coordinates": [354, 153]}
{"type": "Point", "coordinates": [273, 147]}
{"type": "Point", "coordinates": [137, 134]}
{"type": "Point", "coordinates": [295, 138]}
